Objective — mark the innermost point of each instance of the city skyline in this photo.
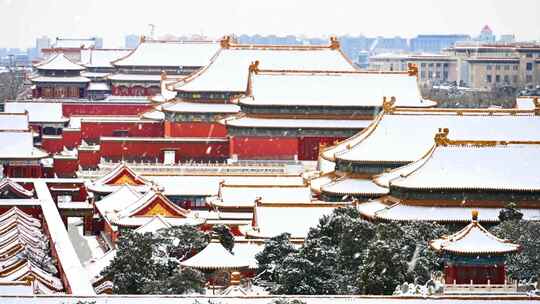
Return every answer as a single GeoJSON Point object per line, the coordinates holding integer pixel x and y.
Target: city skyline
{"type": "Point", "coordinates": [391, 18]}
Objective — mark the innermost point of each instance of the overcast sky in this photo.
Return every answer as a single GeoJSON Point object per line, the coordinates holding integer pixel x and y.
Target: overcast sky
{"type": "Point", "coordinates": [21, 21]}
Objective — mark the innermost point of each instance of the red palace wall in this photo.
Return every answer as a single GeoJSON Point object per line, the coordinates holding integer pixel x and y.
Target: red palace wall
{"type": "Point", "coordinates": [94, 130]}
{"type": "Point", "coordinates": [308, 147]}
{"type": "Point", "coordinates": [71, 138]}
{"type": "Point", "coordinates": [52, 144]}
{"type": "Point", "coordinates": [150, 149]}
{"type": "Point", "coordinates": [104, 109]}
{"type": "Point", "coordinates": [264, 147]}
{"type": "Point", "coordinates": [23, 171]}
{"type": "Point", "coordinates": [89, 158]}
{"type": "Point", "coordinates": [65, 167]}
{"type": "Point", "coordinates": [194, 129]}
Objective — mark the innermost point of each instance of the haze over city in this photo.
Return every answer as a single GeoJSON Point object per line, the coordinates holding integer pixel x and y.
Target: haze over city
{"type": "Point", "coordinates": [112, 20]}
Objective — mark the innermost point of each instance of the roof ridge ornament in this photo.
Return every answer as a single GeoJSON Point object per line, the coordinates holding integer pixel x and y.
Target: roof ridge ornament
{"type": "Point", "coordinates": [225, 42]}
{"type": "Point", "coordinates": [441, 138]}
{"type": "Point", "coordinates": [536, 105]}
{"type": "Point", "coordinates": [412, 69]}
{"type": "Point", "coordinates": [334, 43]}
{"type": "Point", "coordinates": [254, 67]}
{"type": "Point", "coordinates": [388, 104]}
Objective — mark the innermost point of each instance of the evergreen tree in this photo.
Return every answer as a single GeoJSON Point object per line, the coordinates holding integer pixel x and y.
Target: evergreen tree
{"type": "Point", "coordinates": [149, 263]}
{"type": "Point", "coordinates": [133, 266]}
{"type": "Point", "coordinates": [276, 249]}
{"type": "Point", "coordinates": [524, 265]}
{"type": "Point", "coordinates": [295, 276]}
{"type": "Point", "coordinates": [510, 213]}
{"type": "Point", "coordinates": [225, 236]}
{"type": "Point", "coordinates": [383, 268]}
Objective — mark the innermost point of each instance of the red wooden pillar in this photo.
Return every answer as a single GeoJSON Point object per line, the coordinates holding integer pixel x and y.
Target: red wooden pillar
{"type": "Point", "coordinates": [88, 224]}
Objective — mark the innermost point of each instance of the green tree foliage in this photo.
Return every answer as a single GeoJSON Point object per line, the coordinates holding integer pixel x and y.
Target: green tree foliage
{"type": "Point", "coordinates": [524, 265]}
{"type": "Point", "coordinates": [345, 254]}
{"type": "Point", "coordinates": [149, 263]}
{"type": "Point", "coordinates": [225, 236]}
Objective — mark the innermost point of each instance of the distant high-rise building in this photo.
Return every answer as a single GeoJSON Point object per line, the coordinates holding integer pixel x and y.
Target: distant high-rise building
{"type": "Point", "coordinates": [486, 34]}
{"type": "Point", "coordinates": [131, 41]}
{"type": "Point", "coordinates": [42, 42]}
{"type": "Point", "coordinates": [508, 38]}
{"type": "Point", "coordinates": [435, 43]}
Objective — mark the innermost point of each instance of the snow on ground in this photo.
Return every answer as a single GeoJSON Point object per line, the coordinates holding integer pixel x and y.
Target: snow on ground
{"type": "Point", "coordinates": [86, 247]}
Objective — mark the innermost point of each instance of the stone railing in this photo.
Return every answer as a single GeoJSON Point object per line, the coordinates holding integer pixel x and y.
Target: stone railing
{"type": "Point", "coordinates": [506, 288]}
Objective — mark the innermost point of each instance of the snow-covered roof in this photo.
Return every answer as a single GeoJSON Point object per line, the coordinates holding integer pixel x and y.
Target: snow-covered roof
{"type": "Point", "coordinates": [49, 112]}
{"type": "Point", "coordinates": [19, 145]}
{"type": "Point", "coordinates": [101, 58]}
{"type": "Point", "coordinates": [526, 103]}
{"type": "Point", "coordinates": [257, 122]}
{"type": "Point", "coordinates": [354, 186]}
{"type": "Point", "coordinates": [500, 167]}
{"type": "Point", "coordinates": [117, 177]}
{"type": "Point", "coordinates": [473, 239]}
{"type": "Point", "coordinates": [208, 185]}
{"type": "Point", "coordinates": [154, 114]}
{"type": "Point", "coordinates": [118, 200]}
{"type": "Point", "coordinates": [14, 121]}
{"type": "Point", "coordinates": [385, 178]}
{"type": "Point", "coordinates": [228, 71]}
{"type": "Point", "coordinates": [379, 210]}
{"type": "Point", "coordinates": [246, 195]}
{"type": "Point", "coordinates": [7, 184]}
{"type": "Point", "coordinates": [68, 79]}
{"type": "Point", "coordinates": [98, 86]}
{"type": "Point", "coordinates": [333, 89]}
{"type": "Point", "coordinates": [273, 220]}
{"type": "Point", "coordinates": [170, 54]}
{"type": "Point", "coordinates": [215, 256]}
{"type": "Point", "coordinates": [59, 62]}
{"type": "Point", "coordinates": [191, 107]}
{"type": "Point", "coordinates": [405, 136]}
{"type": "Point", "coordinates": [134, 77]}
{"type": "Point", "coordinates": [94, 74]}
{"type": "Point", "coordinates": [154, 224]}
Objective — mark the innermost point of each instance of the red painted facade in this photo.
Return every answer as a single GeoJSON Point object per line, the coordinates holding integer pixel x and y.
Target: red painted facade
{"type": "Point", "coordinates": [71, 138]}
{"type": "Point", "coordinates": [52, 144]}
{"type": "Point", "coordinates": [194, 129]}
{"type": "Point", "coordinates": [264, 147]}
{"type": "Point", "coordinates": [104, 109]}
{"type": "Point", "coordinates": [308, 147]}
{"type": "Point", "coordinates": [92, 131]}
{"type": "Point", "coordinates": [135, 90]}
{"type": "Point", "coordinates": [65, 167]}
{"type": "Point", "coordinates": [478, 274]}
{"type": "Point", "coordinates": [13, 170]}
{"type": "Point", "coordinates": [89, 159]}
{"type": "Point", "coordinates": [150, 149]}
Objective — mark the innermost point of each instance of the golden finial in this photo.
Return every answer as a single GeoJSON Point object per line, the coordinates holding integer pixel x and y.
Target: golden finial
{"type": "Point", "coordinates": [441, 138]}
{"type": "Point", "coordinates": [142, 39]}
{"type": "Point", "coordinates": [334, 43]}
{"type": "Point", "coordinates": [225, 42]}
{"type": "Point", "coordinates": [474, 215]}
{"type": "Point", "coordinates": [254, 67]}
{"type": "Point", "coordinates": [412, 69]}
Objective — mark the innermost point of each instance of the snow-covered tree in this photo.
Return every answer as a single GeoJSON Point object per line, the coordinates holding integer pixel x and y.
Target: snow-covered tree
{"type": "Point", "coordinates": [225, 236]}
{"type": "Point", "coordinates": [149, 263]}
{"type": "Point", "coordinates": [276, 249]}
